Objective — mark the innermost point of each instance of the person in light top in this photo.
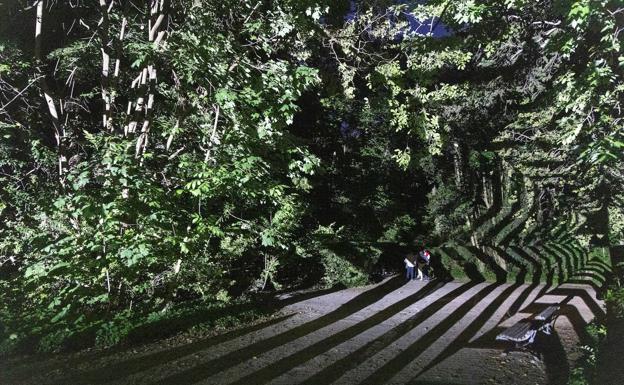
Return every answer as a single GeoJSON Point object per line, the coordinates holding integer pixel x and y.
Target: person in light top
{"type": "Point", "coordinates": [409, 266]}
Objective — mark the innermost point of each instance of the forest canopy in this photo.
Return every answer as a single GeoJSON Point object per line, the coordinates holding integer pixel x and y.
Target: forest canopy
{"type": "Point", "coordinates": [164, 152]}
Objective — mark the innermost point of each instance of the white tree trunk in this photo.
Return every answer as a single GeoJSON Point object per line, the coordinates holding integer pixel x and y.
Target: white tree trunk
{"type": "Point", "coordinates": [146, 82]}
{"type": "Point", "coordinates": [59, 132]}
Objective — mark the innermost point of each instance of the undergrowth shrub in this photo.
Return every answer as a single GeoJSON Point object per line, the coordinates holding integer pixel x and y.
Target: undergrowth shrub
{"type": "Point", "coordinates": [345, 262]}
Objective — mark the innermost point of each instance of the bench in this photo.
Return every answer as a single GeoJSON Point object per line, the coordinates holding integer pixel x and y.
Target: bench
{"type": "Point", "coordinates": [547, 317]}
{"type": "Point", "coordinates": [523, 332]}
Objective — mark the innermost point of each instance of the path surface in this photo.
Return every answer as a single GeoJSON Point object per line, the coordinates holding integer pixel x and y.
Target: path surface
{"type": "Point", "coordinates": [394, 333]}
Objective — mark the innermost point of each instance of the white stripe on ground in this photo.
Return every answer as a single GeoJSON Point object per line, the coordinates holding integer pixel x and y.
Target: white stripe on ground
{"type": "Point", "coordinates": [320, 362]}
{"type": "Point", "coordinates": [273, 355]}
{"type": "Point", "coordinates": [357, 375]}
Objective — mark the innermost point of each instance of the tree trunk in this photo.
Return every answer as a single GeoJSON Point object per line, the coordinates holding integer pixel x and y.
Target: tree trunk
{"type": "Point", "coordinates": [59, 131]}
{"type": "Point", "coordinates": [148, 78]}
{"type": "Point", "coordinates": [457, 162]}
{"type": "Point", "coordinates": [106, 50]}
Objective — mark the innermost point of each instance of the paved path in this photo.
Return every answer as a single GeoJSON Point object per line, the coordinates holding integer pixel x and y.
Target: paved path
{"type": "Point", "coordinates": [395, 333]}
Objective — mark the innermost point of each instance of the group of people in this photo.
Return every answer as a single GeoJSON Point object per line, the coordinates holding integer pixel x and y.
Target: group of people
{"type": "Point", "coordinates": [417, 265]}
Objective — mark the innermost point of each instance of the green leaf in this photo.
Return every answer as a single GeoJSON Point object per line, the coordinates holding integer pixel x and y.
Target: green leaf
{"type": "Point", "coordinates": [60, 315]}
{"type": "Point", "coordinates": [267, 240]}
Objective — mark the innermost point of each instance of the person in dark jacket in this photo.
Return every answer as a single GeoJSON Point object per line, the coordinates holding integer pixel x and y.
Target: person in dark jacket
{"type": "Point", "coordinates": [424, 261]}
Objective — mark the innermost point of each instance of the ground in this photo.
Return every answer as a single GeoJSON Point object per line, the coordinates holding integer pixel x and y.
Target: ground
{"type": "Point", "coordinates": [392, 332]}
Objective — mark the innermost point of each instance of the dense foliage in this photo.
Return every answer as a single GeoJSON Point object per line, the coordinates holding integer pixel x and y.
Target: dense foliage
{"type": "Point", "coordinates": [162, 152]}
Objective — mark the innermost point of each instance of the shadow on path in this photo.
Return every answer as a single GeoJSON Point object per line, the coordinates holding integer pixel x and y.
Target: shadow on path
{"type": "Point", "coordinates": [210, 367]}
{"type": "Point", "coordinates": [334, 371]}
{"type": "Point", "coordinates": [285, 364]}
{"type": "Point", "coordinates": [473, 328]}
{"type": "Point", "coordinates": [121, 368]}
{"type": "Point", "coordinates": [554, 357]}
{"type": "Point", "coordinates": [404, 358]}
{"type": "Point", "coordinates": [134, 365]}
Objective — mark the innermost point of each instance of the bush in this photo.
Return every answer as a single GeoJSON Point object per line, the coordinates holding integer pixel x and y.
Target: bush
{"type": "Point", "coordinates": [344, 262]}
{"type": "Point", "coordinates": [338, 270]}
{"type": "Point", "coordinates": [401, 230]}
{"type": "Point", "coordinates": [615, 303]}
{"type": "Point", "coordinates": [585, 371]}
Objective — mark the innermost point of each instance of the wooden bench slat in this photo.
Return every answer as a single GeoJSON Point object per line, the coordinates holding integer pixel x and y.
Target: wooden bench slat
{"type": "Point", "coordinates": [519, 328]}
{"type": "Point", "coordinates": [547, 313]}
{"type": "Point", "coordinates": [518, 332]}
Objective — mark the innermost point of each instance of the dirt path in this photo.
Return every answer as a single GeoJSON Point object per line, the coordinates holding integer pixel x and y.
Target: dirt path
{"type": "Point", "coordinates": [391, 333]}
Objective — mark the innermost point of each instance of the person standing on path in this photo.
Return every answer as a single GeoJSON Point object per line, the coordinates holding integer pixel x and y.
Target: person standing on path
{"type": "Point", "coordinates": [424, 260]}
{"type": "Point", "coordinates": [409, 266]}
